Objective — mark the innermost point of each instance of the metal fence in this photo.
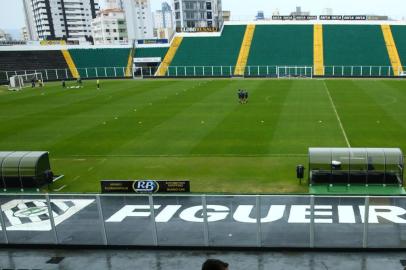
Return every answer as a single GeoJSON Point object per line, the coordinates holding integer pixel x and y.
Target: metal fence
{"type": "Point", "coordinates": [204, 220]}
{"type": "Point", "coordinates": [65, 74]}
{"type": "Point", "coordinates": [209, 71]}
{"type": "Point", "coordinates": [283, 71]}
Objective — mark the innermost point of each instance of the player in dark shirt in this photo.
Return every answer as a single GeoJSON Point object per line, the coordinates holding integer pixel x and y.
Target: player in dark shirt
{"type": "Point", "coordinates": [239, 95]}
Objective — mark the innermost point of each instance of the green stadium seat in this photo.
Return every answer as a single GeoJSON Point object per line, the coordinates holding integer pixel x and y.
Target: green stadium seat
{"type": "Point", "coordinates": [101, 62]}
{"type": "Point", "coordinates": [197, 55]}
{"type": "Point", "coordinates": [280, 45]}
{"type": "Point", "coordinates": [360, 49]}
{"type": "Point", "coordinates": [399, 34]}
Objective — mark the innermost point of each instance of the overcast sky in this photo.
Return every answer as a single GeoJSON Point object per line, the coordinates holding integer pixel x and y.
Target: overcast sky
{"type": "Point", "coordinates": [11, 11]}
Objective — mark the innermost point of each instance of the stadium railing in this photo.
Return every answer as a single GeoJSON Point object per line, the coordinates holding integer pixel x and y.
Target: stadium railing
{"type": "Point", "coordinates": [280, 71]}
{"type": "Point", "coordinates": [300, 221]}
{"type": "Point", "coordinates": [208, 71]}
{"type": "Point", "coordinates": [65, 74]}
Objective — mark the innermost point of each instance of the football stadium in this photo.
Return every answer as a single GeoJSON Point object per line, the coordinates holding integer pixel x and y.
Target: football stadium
{"type": "Point", "coordinates": [279, 133]}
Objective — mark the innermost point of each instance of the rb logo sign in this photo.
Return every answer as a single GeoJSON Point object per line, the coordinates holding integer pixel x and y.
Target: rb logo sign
{"type": "Point", "coordinates": [148, 186]}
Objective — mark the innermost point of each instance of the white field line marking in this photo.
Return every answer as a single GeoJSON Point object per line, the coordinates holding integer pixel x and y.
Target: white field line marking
{"type": "Point", "coordinates": [62, 187]}
{"type": "Point", "coordinates": [91, 168]}
{"type": "Point", "coordinates": [338, 117]}
{"type": "Point", "coordinates": [193, 155]}
{"type": "Point", "coordinates": [74, 179]}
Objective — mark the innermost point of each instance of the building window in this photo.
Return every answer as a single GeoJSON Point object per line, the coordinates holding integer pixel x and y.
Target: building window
{"type": "Point", "coordinates": [209, 16]}
{"type": "Point", "coordinates": [189, 5]}
{"type": "Point", "coordinates": [208, 5]}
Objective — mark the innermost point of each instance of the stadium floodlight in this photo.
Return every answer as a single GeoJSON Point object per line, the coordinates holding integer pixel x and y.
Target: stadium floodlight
{"type": "Point", "coordinates": [294, 72]}
{"type": "Point", "coordinates": [19, 82]}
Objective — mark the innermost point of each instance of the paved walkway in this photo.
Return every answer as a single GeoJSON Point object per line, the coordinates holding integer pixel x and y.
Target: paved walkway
{"type": "Point", "coordinates": [190, 260]}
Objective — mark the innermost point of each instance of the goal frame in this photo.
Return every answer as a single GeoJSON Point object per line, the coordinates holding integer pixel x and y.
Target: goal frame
{"type": "Point", "coordinates": [24, 80]}
{"type": "Point", "coordinates": [297, 72]}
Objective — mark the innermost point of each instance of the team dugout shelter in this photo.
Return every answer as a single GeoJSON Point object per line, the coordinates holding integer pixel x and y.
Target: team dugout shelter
{"type": "Point", "coordinates": [25, 169]}
{"type": "Point", "coordinates": [356, 166]}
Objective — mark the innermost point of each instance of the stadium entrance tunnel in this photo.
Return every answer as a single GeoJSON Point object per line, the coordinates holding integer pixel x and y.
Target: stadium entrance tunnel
{"type": "Point", "coordinates": [356, 166]}
{"type": "Point", "coordinates": [25, 170]}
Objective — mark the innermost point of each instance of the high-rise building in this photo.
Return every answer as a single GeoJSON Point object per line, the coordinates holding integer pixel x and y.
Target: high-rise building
{"type": "Point", "coordinates": [62, 19]}
{"type": "Point", "coordinates": [163, 18]}
{"type": "Point", "coordinates": [139, 19]}
{"type": "Point", "coordinates": [198, 13]}
{"type": "Point", "coordinates": [163, 22]}
{"type": "Point", "coordinates": [166, 7]}
{"type": "Point", "coordinates": [109, 27]}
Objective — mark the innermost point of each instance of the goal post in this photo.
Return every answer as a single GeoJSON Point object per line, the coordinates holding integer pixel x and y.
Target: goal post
{"type": "Point", "coordinates": [18, 82]}
{"type": "Point", "coordinates": [295, 72]}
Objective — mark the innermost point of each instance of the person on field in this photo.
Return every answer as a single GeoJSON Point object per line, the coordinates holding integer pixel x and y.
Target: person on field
{"type": "Point", "coordinates": [214, 264]}
{"type": "Point", "coordinates": [79, 81]}
{"type": "Point", "coordinates": [98, 84]}
{"type": "Point", "coordinates": [33, 83]}
{"type": "Point", "coordinates": [240, 95]}
{"type": "Point", "coordinates": [63, 84]}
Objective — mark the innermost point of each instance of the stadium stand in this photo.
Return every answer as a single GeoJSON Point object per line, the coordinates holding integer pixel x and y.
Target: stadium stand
{"type": "Point", "coordinates": [169, 56]}
{"type": "Point", "coordinates": [70, 63]}
{"type": "Point", "coordinates": [130, 60]}
{"type": "Point", "coordinates": [280, 45]}
{"type": "Point", "coordinates": [101, 62]}
{"type": "Point", "coordinates": [208, 52]}
{"type": "Point", "coordinates": [354, 46]}
{"type": "Point", "coordinates": [392, 50]}
{"type": "Point", "coordinates": [318, 51]}
{"type": "Point", "coordinates": [399, 35]}
{"type": "Point", "coordinates": [33, 61]}
{"type": "Point", "coordinates": [245, 50]}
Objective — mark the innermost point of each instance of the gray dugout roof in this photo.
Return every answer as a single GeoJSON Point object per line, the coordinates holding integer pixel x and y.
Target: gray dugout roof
{"type": "Point", "coordinates": [381, 156]}
{"type": "Point", "coordinates": [20, 163]}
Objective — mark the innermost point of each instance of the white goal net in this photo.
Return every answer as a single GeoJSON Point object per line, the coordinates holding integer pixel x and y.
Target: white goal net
{"type": "Point", "coordinates": [295, 72]}
{"type": "Point", "coordinates": [19, 82]}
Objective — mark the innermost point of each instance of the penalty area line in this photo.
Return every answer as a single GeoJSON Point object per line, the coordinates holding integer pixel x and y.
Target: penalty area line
{"type": "Point", "coordinates": [62, 187]}
{"type": "Point", "coordinates": [336, 113]}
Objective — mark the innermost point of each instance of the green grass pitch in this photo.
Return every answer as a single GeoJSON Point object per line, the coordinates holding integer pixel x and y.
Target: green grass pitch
{"type": "Point", "coordinates": [197, 130]}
